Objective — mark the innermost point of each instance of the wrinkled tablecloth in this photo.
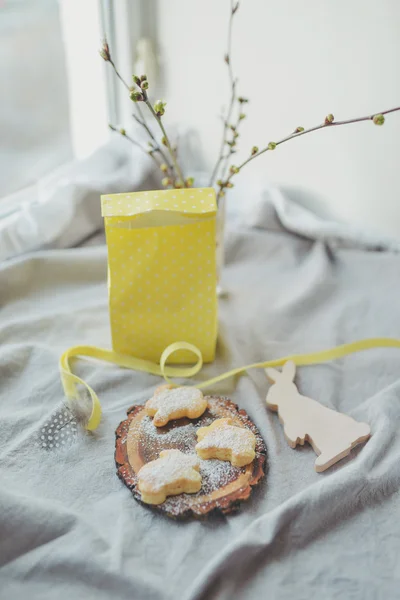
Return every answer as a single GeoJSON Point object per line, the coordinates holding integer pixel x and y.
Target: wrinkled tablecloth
{"type": "Point", "coordinates": [70, 529]}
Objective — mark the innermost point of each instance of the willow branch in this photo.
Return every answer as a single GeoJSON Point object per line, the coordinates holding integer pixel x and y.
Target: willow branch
{"type": "Point", "coordinates": [122, 80]}
{"type": "Point", "coordinates": [123, 133]}
{"type": "Point", "coordinates": [156, 145]}
{"type": "Point", "coordinates": [165, 136]}
{"type": "Point", "coordinates": [142, 119]}
{"type": "Point", "coordinates": [225, 159]}
{"type": "Point", "coordinates": [376, 117]}
{"type": "Point", "coordinates": [232, 81]}
{"type": "Point", "coordinates": [106, 56]}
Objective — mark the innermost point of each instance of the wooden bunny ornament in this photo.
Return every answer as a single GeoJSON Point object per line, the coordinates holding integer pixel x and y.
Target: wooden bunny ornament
{"type": "Point", "coordinates": [331, 434]}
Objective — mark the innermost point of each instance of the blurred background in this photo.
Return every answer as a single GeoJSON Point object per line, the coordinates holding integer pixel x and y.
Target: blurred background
{"type": "Point", "coordinates": [295, 61]}
{"type": "Point", "coordinates": [34, 115]}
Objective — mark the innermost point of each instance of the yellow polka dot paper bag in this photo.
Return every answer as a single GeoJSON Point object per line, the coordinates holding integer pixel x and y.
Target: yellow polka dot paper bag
{"type": "Point", "coordinates": [162, 271]}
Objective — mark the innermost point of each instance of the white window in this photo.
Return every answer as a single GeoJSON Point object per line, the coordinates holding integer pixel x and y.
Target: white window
{"type": "Point", "coordinates": [34, 116]}
{"type": "Point", "coordinates": [57, 95]}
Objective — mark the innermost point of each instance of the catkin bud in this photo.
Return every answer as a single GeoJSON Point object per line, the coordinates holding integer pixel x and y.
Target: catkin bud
{"type": "Point", "coordinates": [136, 96]}
{"type": "Point", "coordinates": [122, 131]}
{"type": "Point", "coordinates": [272, 146]}
{"type": "Point", "coordinates": [105, 51]}
{"type": "Point", "coordinates": [166, 181]}
{"type": "Point", "coordinates": [136, 79]}
{"type": "Point", "coordinates": [299, 129]}
{"type": "Point", "coordinates": [145, 85]}
{"type": "Point", "coordinates": [329, 119]}
{"type": "Point", "coordinates": [189, 181]}
{"type": "Point", "coordinates": [254, 150]}
{"type": "Point", "coordinates": [159, 108]}
{"type": "Point", "coordinates": [379, 119]}
{"type": "Point", "coordinates": [234, 170]}
{"type": "Point", "coordinates": [164, 167]}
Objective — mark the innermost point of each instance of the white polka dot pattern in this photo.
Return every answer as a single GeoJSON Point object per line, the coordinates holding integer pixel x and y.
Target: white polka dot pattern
{"type": "Point", "coordinates": [60, 430]}
{"type": "Point", "coordinates": [192, 201]}
{"type": "Point", "coordinates": [162, 279]}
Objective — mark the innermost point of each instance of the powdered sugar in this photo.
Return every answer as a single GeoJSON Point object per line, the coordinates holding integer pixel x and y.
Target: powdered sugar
{"type": "Point", "coordinates": [225, 436]}
{"type": "Point", "coordinates": [174, 403]}
{"type": "Point", "coordinates": [216, 475]}
{"type": "Point", "coordinates": [172, 466]}
{"type": "Point", "coordinates": [155, 439]}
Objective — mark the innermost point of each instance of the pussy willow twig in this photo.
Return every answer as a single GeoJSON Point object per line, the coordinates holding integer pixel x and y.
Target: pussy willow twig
{"type": "Point", "coordinates": [155, 145]}
{"type": "Point", "coordinates": [142, 119]}
{"type": "Point", "coordinates": [225, 159]}
{"type": "Point", "coordinates": [228, 60]}
{"type": "Point", "coordinates": [123, 133]}
{"type": "Point", "coordinates": [106, 56]}
{"type": "Point", "coordinates": [378, 118]}
{"type": "Point", "coordinates": [165, 136]}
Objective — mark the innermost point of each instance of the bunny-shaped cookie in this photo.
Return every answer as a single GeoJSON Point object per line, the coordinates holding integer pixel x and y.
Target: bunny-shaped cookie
{"type": "Point", "coordinates": [331, 434]}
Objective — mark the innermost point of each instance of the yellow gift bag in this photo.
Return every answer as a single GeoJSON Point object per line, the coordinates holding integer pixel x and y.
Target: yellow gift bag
{"type": "Point", "coordinates": [162, 293]}
{"type": "Point", "coordinates": [162, 271]}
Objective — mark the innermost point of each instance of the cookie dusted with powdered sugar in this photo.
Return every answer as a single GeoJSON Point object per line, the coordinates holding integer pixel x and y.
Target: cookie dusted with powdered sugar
{"type": "Point", "coordinates": [223, 487]}
{"type": "Point", "coordinates": [175, 403]}
{"type": "Point", "coordinates": [225, 441]}
{"type": "Point", "coordinates": [171, 474]}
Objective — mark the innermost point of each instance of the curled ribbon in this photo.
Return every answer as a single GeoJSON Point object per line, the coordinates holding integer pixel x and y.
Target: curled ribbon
{"type": "Point", "coordinates": [70, 381]}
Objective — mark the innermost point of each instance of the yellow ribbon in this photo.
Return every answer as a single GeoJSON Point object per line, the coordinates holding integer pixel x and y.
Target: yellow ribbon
{"type": "Point", "coordinates": [70, 381]}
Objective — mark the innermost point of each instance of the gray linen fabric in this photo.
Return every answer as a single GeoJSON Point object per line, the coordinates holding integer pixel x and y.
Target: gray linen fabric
{"type": "Point", "coordinates": [68, 526]}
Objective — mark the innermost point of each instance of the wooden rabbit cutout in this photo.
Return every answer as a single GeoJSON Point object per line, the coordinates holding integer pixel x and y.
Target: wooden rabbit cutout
{"type": "Point", "coordinates": [331, 434]}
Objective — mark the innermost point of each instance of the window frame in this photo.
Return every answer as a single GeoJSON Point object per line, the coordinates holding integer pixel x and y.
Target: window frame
{"type": "Point", "coordinates": [105, 100]}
